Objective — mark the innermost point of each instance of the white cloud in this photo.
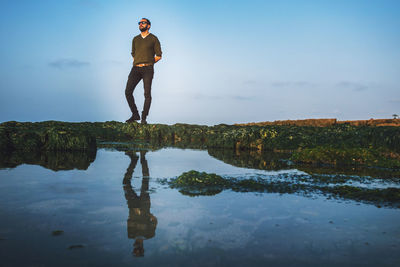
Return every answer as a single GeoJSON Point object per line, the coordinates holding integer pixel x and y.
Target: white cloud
{"type": "Point", "coordinates": [354, 86]}
{"type": "Point", "coordinates": [67, 63]}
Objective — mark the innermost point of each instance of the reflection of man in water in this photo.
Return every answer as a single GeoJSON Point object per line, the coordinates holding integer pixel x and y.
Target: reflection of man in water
{"type": "Point", "coordinates": [141, 223]}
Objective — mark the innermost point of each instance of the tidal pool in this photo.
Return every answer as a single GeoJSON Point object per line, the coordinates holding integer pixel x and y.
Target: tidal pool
{"type": "Point", "coordinates": [116, 211]}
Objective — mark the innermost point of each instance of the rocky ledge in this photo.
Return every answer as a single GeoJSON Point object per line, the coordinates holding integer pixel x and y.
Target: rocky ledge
{"type": "Point", "coordinates": [339, 144]}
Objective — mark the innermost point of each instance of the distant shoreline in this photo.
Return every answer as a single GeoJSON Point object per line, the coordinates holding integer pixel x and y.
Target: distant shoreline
{"type": "Point", "coordinates": [326, 122]}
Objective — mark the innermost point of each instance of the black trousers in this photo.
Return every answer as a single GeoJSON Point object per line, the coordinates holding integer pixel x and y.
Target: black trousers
{"type": "Point", "coordinates": [138, 73]}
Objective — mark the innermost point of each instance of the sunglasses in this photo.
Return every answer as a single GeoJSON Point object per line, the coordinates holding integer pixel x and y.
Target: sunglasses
{"type": "Point", "coordinates": [142, 22]}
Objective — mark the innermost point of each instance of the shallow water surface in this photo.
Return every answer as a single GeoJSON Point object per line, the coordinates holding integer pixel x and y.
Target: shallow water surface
{"type": "Point", "coordinates": [117, 212]}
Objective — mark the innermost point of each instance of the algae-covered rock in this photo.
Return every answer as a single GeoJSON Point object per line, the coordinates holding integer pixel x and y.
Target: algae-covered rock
{"type": "Point", "coordinates": [194, 183]}
{"type": "Point", "coordinates": [201, 183]}
{"type": "Point", "coordinates": [195, 178]}
{"type": "Point", "coordinates": [25, 140]}
{"type": "Point", "coordinates": [49, 135]}
{"type": "Point", "coordinates": [111, 130]}
{"type": "Point", "coordinates": [5, 143]}
{"type": "Point", "coordinates": [53, 135]}
{"type": "Point", "coordinates": [185, 134]}
{"type": "Point", "coordinates": [60, 139]}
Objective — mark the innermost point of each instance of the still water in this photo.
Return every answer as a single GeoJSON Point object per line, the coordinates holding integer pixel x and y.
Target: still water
{"type": "Point", "coordinates": [114, 211]}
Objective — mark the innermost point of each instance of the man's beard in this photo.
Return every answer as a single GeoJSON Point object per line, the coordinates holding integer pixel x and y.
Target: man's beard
{"type": "Point", "coordinates": [143, 29]}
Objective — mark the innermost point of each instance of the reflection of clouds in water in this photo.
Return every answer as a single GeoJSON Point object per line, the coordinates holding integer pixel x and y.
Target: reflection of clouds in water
{"type": "Point", "coordinates": [176, 215]}
{"type": "Point", "coordinates": [309, 212]}
{"type": "Point", "coordinates": [234, 234]}
{"type": "Point", "coordinates": [62, 189]}
{"type": "Point", "coordinates": [52, 205]}
{"type": "Point", "coordinates": [108, 209]}
{"type": "Point", "coordinates": [241, 226]}
{"type": "Point", "coordinates": [176, 161]}
{"type": "Point", "coordinates": [195, 227]}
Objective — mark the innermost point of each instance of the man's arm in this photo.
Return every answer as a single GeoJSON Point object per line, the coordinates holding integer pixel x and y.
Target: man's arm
{"type": "Point", "coordinates": [133, 49]}
{"type": "Point", "coordinates": [157, 50]}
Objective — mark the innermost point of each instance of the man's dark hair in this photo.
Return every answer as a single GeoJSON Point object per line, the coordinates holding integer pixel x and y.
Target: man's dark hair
{"type": "Point", "coordinates": [148, 21]}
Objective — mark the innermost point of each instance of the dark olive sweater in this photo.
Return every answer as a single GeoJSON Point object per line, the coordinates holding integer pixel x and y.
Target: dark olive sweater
{"type": "Point", "coordinates": [144, 49]}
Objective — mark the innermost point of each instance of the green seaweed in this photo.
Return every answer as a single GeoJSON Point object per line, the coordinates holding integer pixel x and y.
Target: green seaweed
{"type": "Point", "coordinates": [46, 136]}
{"type": "Point", "coordinates": [194, 183]}
{"type": "Point", "coordinates": [200, 179]}
{"type": "Point", "coordinates": [373, 146]}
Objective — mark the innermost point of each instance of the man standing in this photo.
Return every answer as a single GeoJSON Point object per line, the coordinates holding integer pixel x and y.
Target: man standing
{"type": "Point", "coordinates": [146, 51]}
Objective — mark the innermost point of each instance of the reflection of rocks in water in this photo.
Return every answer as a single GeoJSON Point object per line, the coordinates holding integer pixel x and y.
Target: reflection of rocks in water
{"type": "Point", "coordinates": [54, 160]}
{"type": "Point", "coordinates": [195, 183]}
{"type": "Point", "coordinates": [277, 161]}
{"type": "Point", "coordinates": [136, 145]}
{"type": "Point", "coordinates": [379, 173]}
{"type": "Point", "coordinates": [345, 156]}
{"type": "Point", "coordinates": [254, 159]}
{"type": "Point", "coordinates": [141, 224]}
{"type": "Point", "coordinates": [204, 191]}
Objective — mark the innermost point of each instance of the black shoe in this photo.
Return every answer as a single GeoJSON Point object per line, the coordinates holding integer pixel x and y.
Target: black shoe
{"type": "Point", "coordinates": [143, 121]}
{"type": "Point", "coordinates": [133, 118]}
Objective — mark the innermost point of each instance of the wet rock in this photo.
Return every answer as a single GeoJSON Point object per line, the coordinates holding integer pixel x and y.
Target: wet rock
{"type": "Point", "coordinates": [45, 136]}
{"type": "Point", "coordinates": [67, 139]}
{"type": "Point", "coordinates": [195, 178]}
{"type": "Point", "coordinates": [57, 232]}
{"type": "Point", "coordinates": [62, 136]}
{"type": "Point", "coordinates": [4, 140]}
{"type": "Point", "coordinates": [76, 246]}
{"type": "Point", "coordinates": [194, 183]}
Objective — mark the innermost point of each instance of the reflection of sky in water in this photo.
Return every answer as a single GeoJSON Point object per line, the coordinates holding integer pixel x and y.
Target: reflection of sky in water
{"type": "Point", "coordinates": [232, 228]}
{"type": "Point", "coordinates": [173, 162]}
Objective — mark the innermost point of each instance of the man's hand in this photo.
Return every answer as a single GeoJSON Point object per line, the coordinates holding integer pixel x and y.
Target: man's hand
{"type": "Point", "coordinates": [156, 58]}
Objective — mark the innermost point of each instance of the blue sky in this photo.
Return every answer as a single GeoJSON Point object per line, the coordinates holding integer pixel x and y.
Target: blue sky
{"type": "Point", "coordinates": [223, 61]}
